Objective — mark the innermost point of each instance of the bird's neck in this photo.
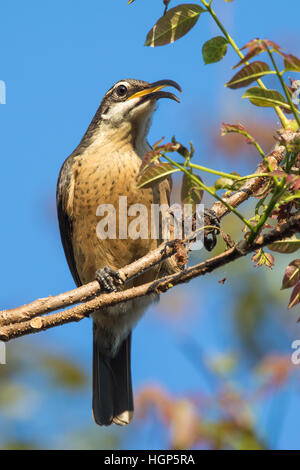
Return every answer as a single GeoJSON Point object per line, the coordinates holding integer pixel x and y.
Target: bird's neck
{"type": "Point", "coordinates": [126, 135]}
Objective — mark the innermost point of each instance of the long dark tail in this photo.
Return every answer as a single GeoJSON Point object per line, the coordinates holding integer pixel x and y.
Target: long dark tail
{"type": "Point", "coordinates": [112, 387]}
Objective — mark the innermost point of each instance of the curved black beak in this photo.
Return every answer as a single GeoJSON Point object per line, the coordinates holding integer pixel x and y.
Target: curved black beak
{"type": "Point", "coordinates": [153, 91]}
{"type": "Point", "coordinates": [164, 83]}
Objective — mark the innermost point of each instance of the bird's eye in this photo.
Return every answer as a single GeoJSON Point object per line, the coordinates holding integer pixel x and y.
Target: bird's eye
{"type": "Point", "coordinates": [121, 91]}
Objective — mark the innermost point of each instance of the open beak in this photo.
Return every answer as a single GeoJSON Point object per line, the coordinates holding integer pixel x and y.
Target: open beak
{"type": "Point", "coordinates": [154, 91]}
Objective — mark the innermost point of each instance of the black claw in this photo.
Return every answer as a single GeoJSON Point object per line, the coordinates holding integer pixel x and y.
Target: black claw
{"type": "Point", "coordinates": [114, 274]}
{"type": "Point", "coordinates": [210, 235]}
{"type": "Point", "coordinates": [109, 280]}
{"type": "Point", "coordinates": [212, 217]}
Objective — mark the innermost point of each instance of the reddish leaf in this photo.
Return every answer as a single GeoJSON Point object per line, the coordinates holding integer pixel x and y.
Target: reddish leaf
{"type": "Point", "coordinates": [256, 46]}
{"type": "Point", "coordinates": [154, 174]}
{"type": "Point", "coordinates": [261, 258]}
{"type": "Point", "coordinates": [252, 53]}
{"type": "Point", "coordinates": [158, 150]}
{"type": "Point", "coordinates": [227, 128]}
{"type": "Point", "coordinates": [295, 297]}
{"type": "Point", "coordinates": [284, 212]}
{"type": "Point", "coordinates": [291, 275]}
{"type": "Point", "coordinates": [237, 129]}
{"type": "Point", "coordinates": [149, 157]}
{"type": "Point", "coordinates": [294, 181]}
{"type": "Point", "coordinates": [291, 62]}
{"type": "Point", "coordinates": [261, 43]}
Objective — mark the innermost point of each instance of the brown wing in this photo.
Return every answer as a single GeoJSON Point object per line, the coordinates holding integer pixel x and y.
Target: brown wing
{"type": "Point", "coordinates": [64, 216]}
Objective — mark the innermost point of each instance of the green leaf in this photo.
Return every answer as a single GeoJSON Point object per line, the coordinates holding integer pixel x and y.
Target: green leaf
{"type": "Point", "coordinates": [227, 183]}
{"type": "Point", "coordinates": [214, 50]}
{"type": "Point", "coordinates": [249, 74]}
{"type": "Point", "coordinates": [174, 24]}
{"type": "Point", "coordinates": [288, 245]}
{"type": "Point", "coordinates": [190, 192]}
{"type": "Point", "coordinates": [291, 63]}
{"type": "Point", "coordinates": [265, 98]}
{"type": "Point", "coordinates": [155, 173]}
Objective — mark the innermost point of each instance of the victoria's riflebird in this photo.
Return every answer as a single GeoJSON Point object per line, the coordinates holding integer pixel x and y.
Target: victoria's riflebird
{"type": "Point", "coordinates": [104, 166]}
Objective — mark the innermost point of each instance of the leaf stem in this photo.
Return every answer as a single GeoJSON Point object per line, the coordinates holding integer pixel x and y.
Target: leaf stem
{"type": "Point", "coordinates": [275, 198]}
{"type": "Point", "coordinates": [232, 176]}
{"type": "Point", "coordinates": [228, 175]}
{"type": "Point", "coordinates": [262, 153]}
{"type": "Point", "coordinates": [210, 191]}
{"type": "Point", "coordinates": [288, 97]}
{"type": "Point", "coordinates": [256, 175]}
{"type": "Point", "coordinates": [284, 121]}
{"type": "Point", "coordinates": [214, 172]}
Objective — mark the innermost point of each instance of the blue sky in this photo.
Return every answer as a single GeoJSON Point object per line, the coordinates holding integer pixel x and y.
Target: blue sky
{"type": "Point", "coordinates": [57, 60]}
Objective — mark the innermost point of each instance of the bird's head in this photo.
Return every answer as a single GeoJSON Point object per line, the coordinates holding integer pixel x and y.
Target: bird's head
{"type": "Point", "coordinates": [128, 105]}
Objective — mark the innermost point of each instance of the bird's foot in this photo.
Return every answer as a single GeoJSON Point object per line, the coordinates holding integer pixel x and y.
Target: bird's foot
{"type": "Point", "coordinates": [212, 217]}
{"type": "Point", "coordinates": [210, 234]}
{"type": "Point", "coordinates": [109, 279]}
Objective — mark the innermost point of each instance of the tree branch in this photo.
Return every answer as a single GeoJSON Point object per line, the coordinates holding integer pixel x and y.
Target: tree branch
{"type": "Point", "coordinates": [285, 137]}
{"type": "Point", "coordinates": [26, 319]}
{"type": "Point", "coordinates": [251, 186]}
{"type": "Point", "coordinates": [80, 311]}
{"type": "Point", "coordinates": [82, 293]}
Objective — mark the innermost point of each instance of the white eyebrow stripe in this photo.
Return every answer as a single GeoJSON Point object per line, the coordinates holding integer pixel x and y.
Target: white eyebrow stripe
{"type": "Point", "coordinates": [115, 86]}
{"type": "Point", "coordinates": [121, 83]}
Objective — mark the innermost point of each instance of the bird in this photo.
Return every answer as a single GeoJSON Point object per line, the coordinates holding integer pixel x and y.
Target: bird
{"type": "Point", "coordinates": [104, 166]}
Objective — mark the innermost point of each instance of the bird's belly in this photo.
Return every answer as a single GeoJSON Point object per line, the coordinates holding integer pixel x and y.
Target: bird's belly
{"type": "Point", "coordinates": [96, 188]}
{"type": "Point", "coordinates": [93, 188]}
